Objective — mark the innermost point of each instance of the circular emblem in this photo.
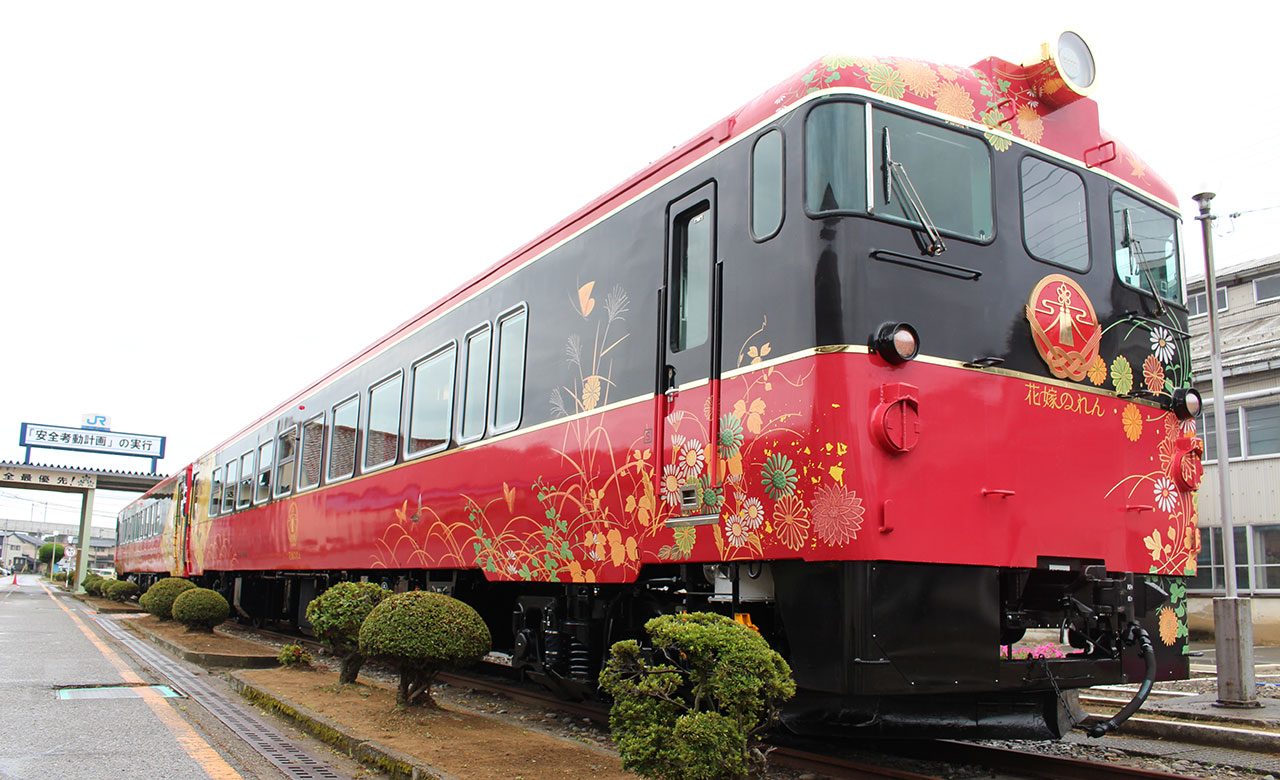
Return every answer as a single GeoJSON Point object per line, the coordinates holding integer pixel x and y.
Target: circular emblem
{"type": "Point", "coordinates": [1064, 326]}
{"type": "Point", "coordinates": [292, 525]}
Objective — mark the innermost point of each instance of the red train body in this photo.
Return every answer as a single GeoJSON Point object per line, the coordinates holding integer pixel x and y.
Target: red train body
{"type": "Point", "coordinates": [688, 396]}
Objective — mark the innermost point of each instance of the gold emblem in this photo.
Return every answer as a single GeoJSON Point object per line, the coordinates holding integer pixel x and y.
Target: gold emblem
{"type": "Point", "coordinates": [1064, 326]}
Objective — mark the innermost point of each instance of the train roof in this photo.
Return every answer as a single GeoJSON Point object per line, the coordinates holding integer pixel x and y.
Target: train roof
{"type": "Point", "coordinates": [1029, 103]}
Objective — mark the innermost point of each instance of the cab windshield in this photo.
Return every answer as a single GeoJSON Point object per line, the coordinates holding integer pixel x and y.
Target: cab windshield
{"type": "Point", "coordinates": [1146, 247]}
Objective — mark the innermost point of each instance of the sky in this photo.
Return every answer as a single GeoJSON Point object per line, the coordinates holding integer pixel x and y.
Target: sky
{"type": "Point", "coordinates": [206, 206]}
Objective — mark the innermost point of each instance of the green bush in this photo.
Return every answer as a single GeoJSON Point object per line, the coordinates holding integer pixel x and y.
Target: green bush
{"type": "Point", "coordinates": [200, 609]}
{"type": "Point", "coordinates": [294, 657]}
{"type": "Point", "coordinates": [695, 706]}
{"type": "Point", "coordinates": [90, 583]}
{"type": "Point", "coordinates": [159, 598]}
{"type": "Point", "coordinates": [421, 633]}
{"type": "Point", "coordinates": [336, 616]}
{"type": "Point", "coordinates": [59, 576]}
{"type": "Point", "coordinates": [119, 590]}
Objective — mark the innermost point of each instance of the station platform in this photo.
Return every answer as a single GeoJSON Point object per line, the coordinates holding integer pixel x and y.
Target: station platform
{"type": "Point", "coordinates": [76, 705]}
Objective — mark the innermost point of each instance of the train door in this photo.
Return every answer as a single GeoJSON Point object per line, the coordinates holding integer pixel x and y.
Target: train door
{"type": "Point", "coordinates": [184, 502]}
{"type": "Point", "coordinates": [689, 474]}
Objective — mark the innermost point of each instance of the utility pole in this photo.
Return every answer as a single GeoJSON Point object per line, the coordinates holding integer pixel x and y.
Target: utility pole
{"type": "Point", "coordinates": [1232, 615]}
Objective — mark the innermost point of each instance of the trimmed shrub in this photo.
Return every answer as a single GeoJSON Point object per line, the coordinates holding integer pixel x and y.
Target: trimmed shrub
{"type": "Point", "coordinates": [695, 705]}
{"type": "Point", "coordinates": [159, 598]}
{"type": "Point", "coordinates": [90, 583]}
{"type": "Point", "coordinates": [294, 657]}
{"type": "Point", "coordinates": [421, 633]}
{"type": "Point", "coordinates": [200, 609]}
{"type": "Point", "coordinates": [59, 576]}
{"type": "Point", "coordinates": [119, 590]}
{"type": "Point", "coordinates": [336, 616]}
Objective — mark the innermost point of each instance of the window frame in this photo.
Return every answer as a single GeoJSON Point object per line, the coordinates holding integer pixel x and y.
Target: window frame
{"type": "Point", "coordinates": [1177, 242]}
{"type": "Point", "coordinates": [323, 417]}
{"type": "Point", "coordinates": [407, 425]}
{"type": "Point", "coordinates": [677, 326]}
{"type": "Point", "coordinates": [461, 416]}
{"type": "Point", "coordinates": [282, 488]}
{"type": "Point", "coordinates": [331, 430]}
{"type": "Point", "coordinates": [366, 467]}
{"type": "Point", "coordinates": [268, 470]}
{"type": "Point", "coordinates": [495, 373]}
{"type": "Point", "coordinates": [215, 492]}
{"type": "Point", "coordinates": [782, 185]}
{"type": "Point", "coordinates": [1205, 294]}
{"type": "Point", "coordinates": [230, 484]}
{"type": "Point", "coordinates": [1267, 278]}
{"type": "Point", "coordinates": [1022, 211]}
{"type": "Point", "coordinates": [246, 479]}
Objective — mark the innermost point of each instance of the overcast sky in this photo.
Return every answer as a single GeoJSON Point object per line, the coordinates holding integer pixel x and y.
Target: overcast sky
{"type": "Point", "coordinates": [204, 207]}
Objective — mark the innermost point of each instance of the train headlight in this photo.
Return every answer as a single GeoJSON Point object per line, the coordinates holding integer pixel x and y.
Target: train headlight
{"type": "Point", "coordinates": [896, 342]}
{"type": "Point", "coordinates": [1186, 403]}
{"type": "Point", "coordinates": [1076, 61]}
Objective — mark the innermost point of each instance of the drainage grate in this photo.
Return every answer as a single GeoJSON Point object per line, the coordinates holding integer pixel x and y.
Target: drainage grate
{"type": "Point", "coordinates": [114, 691]}
{"type": "Point", "coordinates": [290, 759]}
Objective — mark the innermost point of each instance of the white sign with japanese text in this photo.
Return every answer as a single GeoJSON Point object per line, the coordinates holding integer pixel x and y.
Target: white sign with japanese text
{"type": "Point", "coordinates": [84, 440]}
{"type": "Point", "coordinates": [26, 476]}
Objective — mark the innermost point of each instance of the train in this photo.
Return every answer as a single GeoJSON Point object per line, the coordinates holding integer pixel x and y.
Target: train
{"type": "Point", "coordinates": [890, 365]}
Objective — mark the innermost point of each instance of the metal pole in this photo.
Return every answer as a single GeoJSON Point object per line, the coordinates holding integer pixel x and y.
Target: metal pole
{"type": "Point", "coordinates": [1232, 615]}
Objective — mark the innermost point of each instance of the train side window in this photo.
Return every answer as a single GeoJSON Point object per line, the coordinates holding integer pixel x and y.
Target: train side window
{"type": "Point", "coordinates": [262, 488]}
{"type": "Point", "coordinates": [692, 278]}
{"type": "Point", "coordinates": [244, 494]}
{"type": "Point", "coordinates": [431, 410]}
{"type": "Point", "coordinates": [767, 185]}
{"type": "Point", "coordinates": [229, 488]}
{"type": "Point", "coordinates": [835, 158]}
{"type": "Point", "coordinates": [342, 439]}
{"type": "Point", "coordinates": [1146, 247]}
{"type": "Point", "coordinates": [312, 452]}
{"type": "Point", "coordinates": [475, 391]}
{"type": "Point", "coordinates": [286, 453]}
{"type": "Point", "coordinates": [382, 431]}
{"type": "Point", "coordinates": [215, 493]}
{"type": "Point", "coordinates": [1055, 225]}
{"type": "Point", "coordinates": [950, 171]}
{"type": "Point", "coordinates": [508, 380]}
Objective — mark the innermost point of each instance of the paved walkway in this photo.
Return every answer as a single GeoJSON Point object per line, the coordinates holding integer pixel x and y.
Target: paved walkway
{"type": "Point", "coordinates": [47, 644]}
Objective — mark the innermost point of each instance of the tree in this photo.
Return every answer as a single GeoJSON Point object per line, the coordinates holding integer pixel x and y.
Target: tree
{"type": "Point", "coordinates": [51, 553]}
{"type": "Point", "coordinates": [694, 706]}
{"type": "Point", "coordinates": [420, 634]}
{"type": "Point", "coordinates": [336, 616]}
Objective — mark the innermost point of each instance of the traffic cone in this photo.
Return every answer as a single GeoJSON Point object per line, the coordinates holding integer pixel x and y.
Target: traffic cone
{"type": "Point", "coordinates": [15, 578]}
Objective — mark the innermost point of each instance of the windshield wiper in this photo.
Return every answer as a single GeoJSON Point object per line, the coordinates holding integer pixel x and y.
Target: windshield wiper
{"type": "Point", "coordinates": [1138, 260]}
{"type": "Point", "coordinates": [896, 174]}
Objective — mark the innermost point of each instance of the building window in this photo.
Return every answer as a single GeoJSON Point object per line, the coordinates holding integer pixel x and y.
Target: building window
{"type": "Point", "coordinates": [1253, 430]}
{"type": "Point", "coordinates": [342, 439]}
{"type": "Point", "coordinates": [1234, 448]}
{"type": "Point", "coordinates": [1257, 552]}
{"type": "Point", "coordinates": [508, 381]}
{"type": "Point", "coordinates": [312, 452]}
{"type": "Point", "coordinates": [1146, 247]}
{"type": "Point", "coordinates": [1054, 221]}
{"type": "Point", "coordinates": [382, 436]}
{"type": "Point", "coordinates": [475, 392]}
{"type": "Point", "coordinates": [431, 408]}
{"type": "Point", "coordinates": [244, 494]}
{"type": "Point", "coordinates": [1198, 303]}
{"type": "Point", "coordinates": [766, 185]}
{"type": "Point", "coordinates": [262, 491]}
{"type": "Point", "coordinates": [286, 452]}
{"type": "Point", "coordinates": [1266, 288]}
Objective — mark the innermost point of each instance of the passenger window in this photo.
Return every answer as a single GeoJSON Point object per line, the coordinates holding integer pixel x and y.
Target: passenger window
{"type": "Point", "coordinates": [262, 491]}
{"type": "Point", "coordinates": [215, 493]}
{"type": "Point", "coordinates": [312, 452]}
{"type": "Point", "coordinates": [1054, 223]}
{"type": "Point", "coordinates": [1146, 246]}
{"type": "Point", "coordinates": [509, 380]}
{"type": "Point", "coordinates": [476, 390]}
{"type": "Point", "coordinates": [382, 436]}
{"type": "Point", "coordinates": [766, 185]}
{"type": "Point", "coordinates": [286, 454]}
{"type": "Point", "coordinates": [342, 439]}
{"type": "Point", "coordinates": [431, 412]}
{"type": "Point", "coordinates": [244, 495]}
{"type": "Point", "coordinates": [229, 488]}
{"type": "Point", "coordinates": [692, 276]}
{"type": "Point", "coordinates": [835, 158]}
{"type": "Point", "coordinates": [949, 171]}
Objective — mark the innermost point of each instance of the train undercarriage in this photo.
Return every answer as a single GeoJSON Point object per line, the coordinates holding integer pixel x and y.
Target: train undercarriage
{"type": "Point", "coordinates": [877, 648]}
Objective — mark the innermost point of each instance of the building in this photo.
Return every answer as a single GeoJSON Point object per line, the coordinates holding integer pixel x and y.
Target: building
{"type": "Point", "coordinates": [1248, 301]}
{"type": "Point", "coordinates": [18, 550]}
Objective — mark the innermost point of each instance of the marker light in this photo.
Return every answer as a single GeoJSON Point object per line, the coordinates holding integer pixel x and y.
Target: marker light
{"type": "Point", "coordinates": [1186, 403]}
{"type": "Point", "coordinates": [896, 342]}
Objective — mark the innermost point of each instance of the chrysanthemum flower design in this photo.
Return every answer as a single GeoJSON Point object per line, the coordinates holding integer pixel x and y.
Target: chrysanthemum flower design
{"type": "Point", "coordinates": [730, 441]}
{"type": "Point", "coordinates": [791, 522]}
{"type": "Point", "coordinates": [1162, 344]}
{"type": "Point", "coordinates": [1121, 375]}
{"type": "Point", "coordinates": [736, 531]}
{"type": "Point", "coordinates": [1168, 625]}
{"type": "Point", "coordinates": [689, 458]}
{"type": "Point", "coordinates": [837, 514]}
{"type": "Point", "coordinates": [671, 484]}
{"type": "Point", "coordinates": [1131, 417]}
{"type": "Point", "coordinates": [1153, 374]}
{"type": "Point", "coordinates": [752, 513]}
{"type": "Point", "coordinates": [1098, 371]}
{"type": "Point", "coordinates": [1166, 494]}
{"type": "Point", "coordinates": [778, 476]}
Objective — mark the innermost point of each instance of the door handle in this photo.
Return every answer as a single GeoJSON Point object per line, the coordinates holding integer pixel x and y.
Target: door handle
{"type": "Point", "coordinates": [672, 390]}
